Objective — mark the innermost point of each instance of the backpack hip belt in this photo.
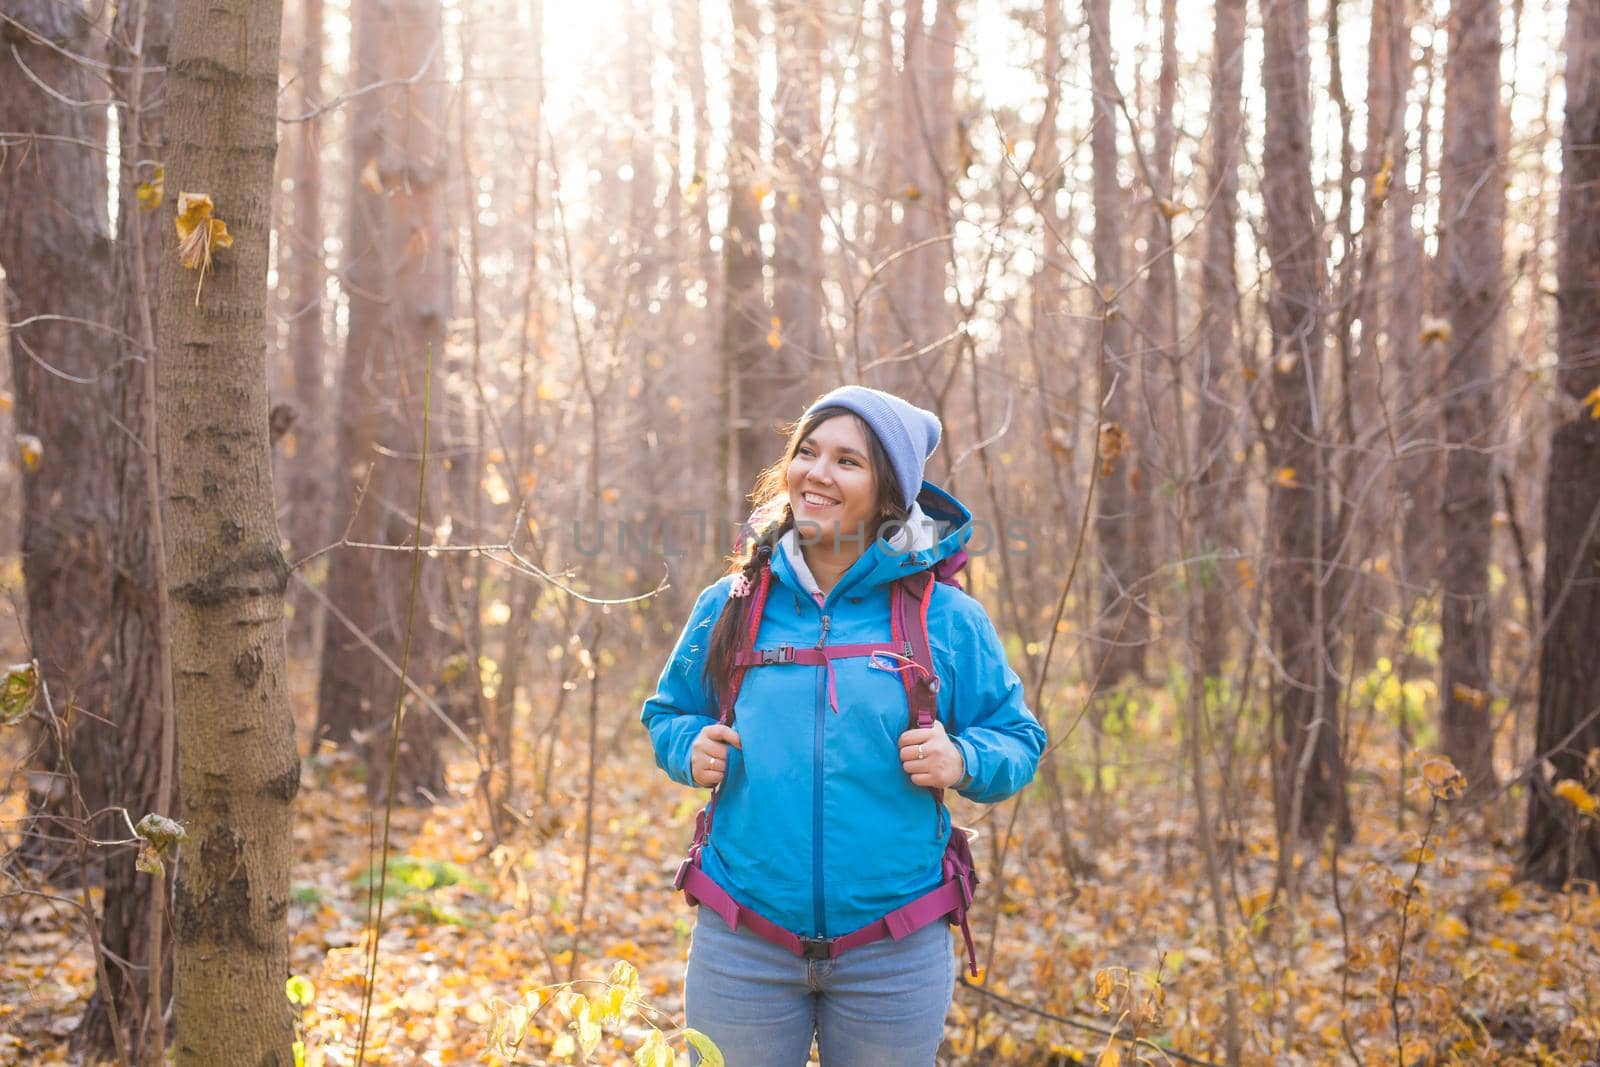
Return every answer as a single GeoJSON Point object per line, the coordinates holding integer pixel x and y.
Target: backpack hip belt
{"type": "Point", "coordinates": [951, 899]}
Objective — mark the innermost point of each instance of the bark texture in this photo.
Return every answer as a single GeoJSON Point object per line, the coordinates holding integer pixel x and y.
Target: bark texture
{"type": "Point", "coordinates": [756, 383]}
{"type": "Point", "coordinates": [303, 270]}
{"type": "Point", "coordinates": [133, 748]}
{"type": "Point", "coordinates": [55, 248]}
{"type": "Point", "coordinates": [1123, 626]}
{"type": "Point", "coordinates": [397, 268]}
{"type": "Point", "coordinates": [915, 355]}
{"type": "Point", "coordinates": [797, 206]}
{"type": "Point", "coordinates": [1310, 795]}
{"type": "Point", "coordinates": [1219, 300]}
{"type": "Point", "coordinates": [1560, 847]}
{"type": "Point", "coordinates": [1472, 213]}
{"type": "Point", "coordinates": [226, 574]}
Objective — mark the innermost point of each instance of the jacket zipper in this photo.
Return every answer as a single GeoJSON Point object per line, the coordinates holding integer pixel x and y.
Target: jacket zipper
{"type": "Point", "coordinates": [818, 901]}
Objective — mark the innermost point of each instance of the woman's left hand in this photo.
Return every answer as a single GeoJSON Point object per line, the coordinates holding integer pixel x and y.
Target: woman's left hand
{"type": "Point", "coordinates": [931, 758]}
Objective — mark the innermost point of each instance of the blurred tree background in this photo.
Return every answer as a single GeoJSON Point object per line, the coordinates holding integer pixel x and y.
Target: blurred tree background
{"type": "Point", "coordinates": [1264, 336]}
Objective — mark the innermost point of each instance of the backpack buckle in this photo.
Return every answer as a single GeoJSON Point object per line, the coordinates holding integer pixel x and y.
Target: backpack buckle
{"type": "Point", "coordinates": [781, 654]}
{"type": "Point", "coordinates": [816, 948]}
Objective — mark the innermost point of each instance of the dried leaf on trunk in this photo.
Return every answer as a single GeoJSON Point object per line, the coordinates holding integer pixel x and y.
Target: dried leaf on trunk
{"type": "Point", "coordinates": [17, 693]}
{"type": "Point", "coordinates": [198, 235]}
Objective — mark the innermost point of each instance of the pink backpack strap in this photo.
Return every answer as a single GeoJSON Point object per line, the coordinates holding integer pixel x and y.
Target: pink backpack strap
{"type": "Point", "coordinates": [908, 619]}
{"type": "Point", "coordinates": [747, 637]}
{"type": "Point", "coordinates": [908, 622]}
{"type": "Point", "coordinates": [730, 695]}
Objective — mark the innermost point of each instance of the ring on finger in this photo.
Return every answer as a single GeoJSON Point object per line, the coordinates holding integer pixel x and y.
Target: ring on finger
{"type": "Point", "coordinates": [919, 751]}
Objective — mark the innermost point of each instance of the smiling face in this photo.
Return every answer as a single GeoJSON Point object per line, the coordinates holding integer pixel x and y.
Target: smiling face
{"type": "Point", "coordinates": [833, 488]}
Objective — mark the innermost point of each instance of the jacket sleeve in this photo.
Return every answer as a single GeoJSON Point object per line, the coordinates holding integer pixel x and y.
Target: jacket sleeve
{"type": "Point", "coordinates": [683, 704]}
{"type": "Point", "coordinates": [997, 735]}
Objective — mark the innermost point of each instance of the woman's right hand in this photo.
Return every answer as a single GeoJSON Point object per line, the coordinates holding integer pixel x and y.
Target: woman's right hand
{"type": "Point", "coordinates": [708, 756]}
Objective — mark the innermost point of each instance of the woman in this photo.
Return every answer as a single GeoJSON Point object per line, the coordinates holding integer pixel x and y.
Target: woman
{"type": "Point", "coordinates": [824, 837]}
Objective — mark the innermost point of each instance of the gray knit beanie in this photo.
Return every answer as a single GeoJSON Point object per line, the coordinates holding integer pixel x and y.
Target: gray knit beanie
{"type": "Point", "coordinates": [908, 433]}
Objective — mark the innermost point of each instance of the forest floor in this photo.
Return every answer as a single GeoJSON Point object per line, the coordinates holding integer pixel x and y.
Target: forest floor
{"type": "Point", "coordinates": [481, 937]}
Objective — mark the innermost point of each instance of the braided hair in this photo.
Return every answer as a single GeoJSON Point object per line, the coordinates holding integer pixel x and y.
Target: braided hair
{"type": "Point", "coordinates": [773, 517]}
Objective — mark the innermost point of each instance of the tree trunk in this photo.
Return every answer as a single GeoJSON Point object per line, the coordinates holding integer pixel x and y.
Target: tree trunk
{"type": "Point", "coordinates": [754, 389]}
{"type": "Point", "coordinates": [55, 250]}
{"type": "Point", "coordinates": [797, 206]}
{"type": "Point", "coordinates": [133, 751]}
{"type": "Point", "coordinates": [226, 575]}
{"type": "Point", "coordinates": [1122, 623]}
{"type": "Point", "coordinates": [1219, 301]}
{"type": "Point", "coordinates": [397, 268]}
{"type": "Point", "coordinates": [1394, 307]}
{"type": "Point", "coordinates": [1560, 846]}
{"type": "Point", "coordinates": [1471, 216]}
{"type": "Point", "coordinates": [916, 355]}
{"type": "Point", "coordinates": [1310, 785]}
{"type": "Point", "coordinates": [304, 272]}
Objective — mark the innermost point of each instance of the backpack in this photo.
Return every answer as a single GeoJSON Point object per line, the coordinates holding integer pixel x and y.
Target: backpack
{"type": "Point", "coordinates": [910, 598]}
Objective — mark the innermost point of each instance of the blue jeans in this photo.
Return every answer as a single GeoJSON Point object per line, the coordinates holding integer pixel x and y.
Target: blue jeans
{"type": "Point", "coordinates": [879, 1005]}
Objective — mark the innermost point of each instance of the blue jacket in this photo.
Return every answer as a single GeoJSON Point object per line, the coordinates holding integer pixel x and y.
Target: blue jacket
{"type": "Point", "coordinates": [818, 829]}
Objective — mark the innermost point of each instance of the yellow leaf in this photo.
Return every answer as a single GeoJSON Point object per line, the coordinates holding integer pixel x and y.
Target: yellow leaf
{"type": "Point", "coordinates": [1442, 778]}
{"type": "Point", "coordinates": [1104, 986]}
{"type": "Point", "coordinates": [1286, 478]}
{"type": "Point", "coordinates": [774, 339]}
{"type": "Point", "coordinates": [198, 234]}
{"type": "Point", "coordinates": [300, 990]}
{"type": "Point", "coordinates": [1247, 576]}
{"type": "Point", "coordinates": [697, 185]}
{"type": "Point", "coordinates": [1169, 209]}
{"type": "Point", "coordinates": [299, 1050]}
{"type": "Point", "coordinates": [7, 402]}
{"type": "Point", "coordinates": [1435, 329]}
{"type": "Point", "coordinates": [1574, 793]}
{"type": "Point", "coordinates": [624, 976]}
{"type": "Point", "coordinates": [371, 178]}
{"type": "Point", "coordinates": [563, 1047]}
{"type": "Point", "coordinates": [1359, 958]}
{"type": "Point", "coordinates": [1109, 1057]}
{"type": "Point", "coordinates": [587, 1026]}
{"type": "Point", "coordinates": [1465, 694]}
{"type": "Point", "coordinates": [1380, 181]}
{"type": "Point", "coordinates": [759, 191]}
{"type": "Point", "coordinates": [913, 192]}
{"type": "Point", "coordinates": [31, 449]}
{"type": "Point", "coordinates": [1451, 928]}
{"type": "Point", "coordinates": [655, 1052]}
{"type": "Point", "coordinates": [1418, 854]}
{"type": "Point", "coordinates": [710, 1054]}
{"type": "Point", "coordinates": [793, 200]}
{"type": "Point", "coordinates": [150, 194]}
{"type": "Point", "coordinates": [1592, 402]}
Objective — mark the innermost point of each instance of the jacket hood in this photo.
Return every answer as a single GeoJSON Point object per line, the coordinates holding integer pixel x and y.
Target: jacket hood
{"type": "Point", "coordinates": [937, 528]}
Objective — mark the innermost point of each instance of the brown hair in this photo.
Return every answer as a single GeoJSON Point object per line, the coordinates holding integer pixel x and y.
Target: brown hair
{"type": "Point", "coordinates": [772, 517]}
